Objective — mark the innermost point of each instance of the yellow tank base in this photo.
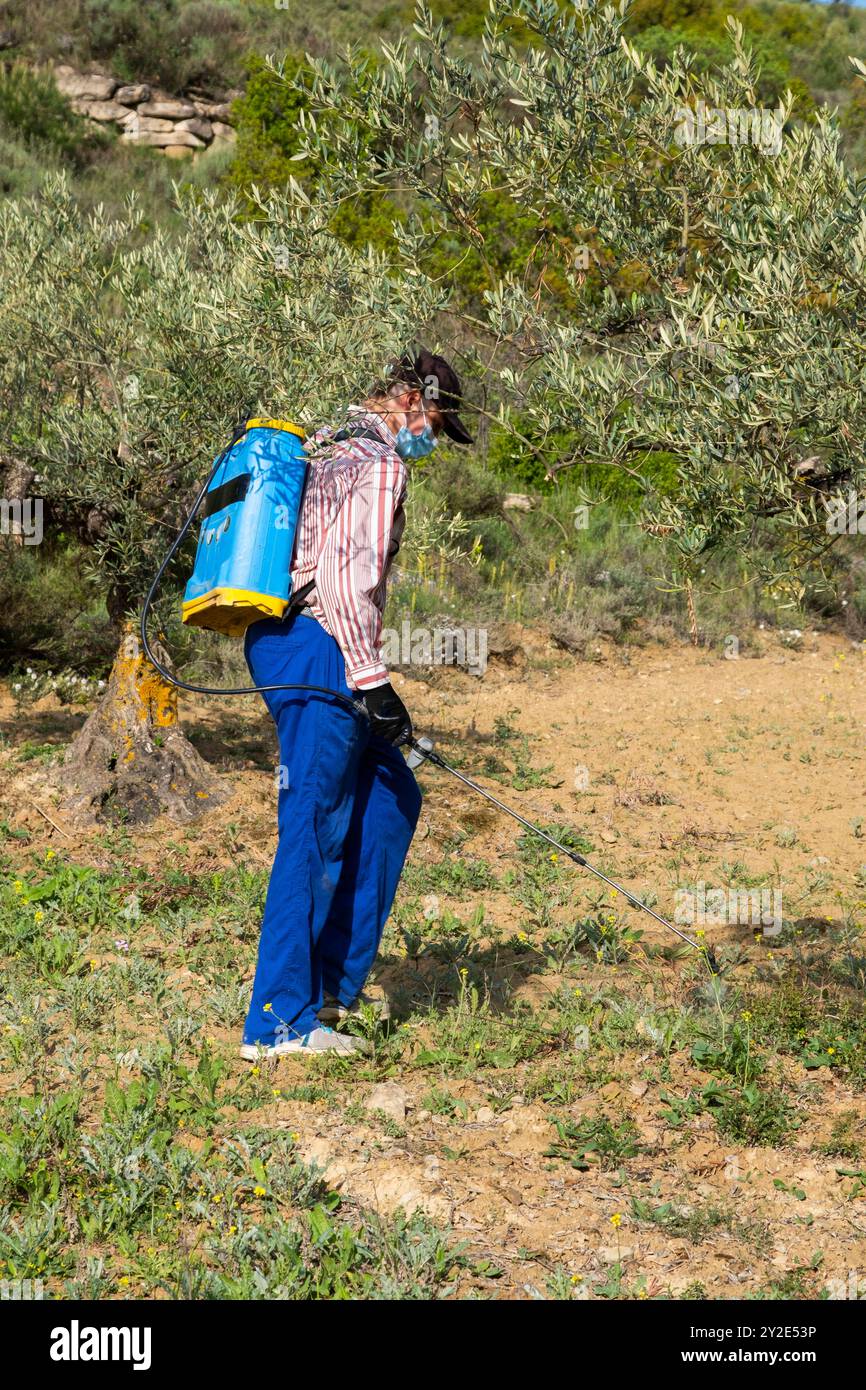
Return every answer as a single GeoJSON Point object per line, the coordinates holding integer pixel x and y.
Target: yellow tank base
{"type": "Point", "coordinates": [231, 611]}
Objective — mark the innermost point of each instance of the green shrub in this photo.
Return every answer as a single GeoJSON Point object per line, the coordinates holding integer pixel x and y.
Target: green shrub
{"type": "Point", "coordinates": [50, 614]}
{"type": "Point", "coordinates": [266, 120]}
{"type": "Point", "coordinates": [32, 108]}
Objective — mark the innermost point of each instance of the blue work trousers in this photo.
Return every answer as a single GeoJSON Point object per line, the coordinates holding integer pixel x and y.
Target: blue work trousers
{"type": "Point", "coordinates": [347, 810]}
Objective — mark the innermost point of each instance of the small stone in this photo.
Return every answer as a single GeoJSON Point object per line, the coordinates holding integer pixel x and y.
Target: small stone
{"type": "Point", "coordinates": [484, 1115]}
{"type": "Point", "coordinates": [223, 132]}
{"type": "Point", "coordinates": [102, 110]}
{"type": "Point", "coordinates": [175, 110]}
{"type": "Point", "coordinates": [213, 110]}
{"type": "Point", "coordinates": [390, 1099]}
{"type": "Point", "coordinates": [132, 95]}
{"type": "Point", "coordinates": [402, 1190]}
{"type": "Point", "coordinates": [612, 1254]}
{"type": "Point", "coordinates": [84, 86]}
{"type": "Point", "coordinates": [161, 139]}
{"type": "Point", "coordinates": [159, 123]}
{"type": "Point", "coordinates": [198, 125]}
{"type": "Point", "coordinates": [517, 502]}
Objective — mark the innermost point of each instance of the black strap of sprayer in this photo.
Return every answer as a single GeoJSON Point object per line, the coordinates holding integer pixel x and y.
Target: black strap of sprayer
{"type": "Point", "coordinates": [356, 705]}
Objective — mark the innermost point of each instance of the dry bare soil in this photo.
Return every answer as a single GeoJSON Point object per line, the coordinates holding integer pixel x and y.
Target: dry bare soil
{"type": "Point", "coordinates": [587, 1109]}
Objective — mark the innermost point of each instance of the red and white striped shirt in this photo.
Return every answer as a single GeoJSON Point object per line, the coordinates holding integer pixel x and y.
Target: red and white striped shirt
{"type": "Point", "coordinates": [349, 529]}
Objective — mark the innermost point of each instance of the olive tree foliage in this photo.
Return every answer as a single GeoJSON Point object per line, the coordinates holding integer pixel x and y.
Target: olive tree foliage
{"type": "Point", "coordinates": [128, 354]}
{"type": "Point", "coordinates": [709, 300]}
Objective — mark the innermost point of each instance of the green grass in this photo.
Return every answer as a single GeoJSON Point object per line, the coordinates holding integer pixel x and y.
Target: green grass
{"type": "Point", "coordinates": [134, 1148]}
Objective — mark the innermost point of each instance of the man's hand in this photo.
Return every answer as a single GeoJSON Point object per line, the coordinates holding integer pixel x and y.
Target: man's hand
{"type": "Point", "coordinates": [389, 717]}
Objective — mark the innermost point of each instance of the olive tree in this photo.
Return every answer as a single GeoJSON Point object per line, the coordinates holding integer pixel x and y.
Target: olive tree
{"type": "Point", "coordinates": [697, 287]}
{"type": "Point", "coordinates": [127, 356]}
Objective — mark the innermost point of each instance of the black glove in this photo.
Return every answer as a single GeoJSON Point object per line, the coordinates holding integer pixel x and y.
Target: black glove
{"type": "Point", "coordinates": [389, 717]}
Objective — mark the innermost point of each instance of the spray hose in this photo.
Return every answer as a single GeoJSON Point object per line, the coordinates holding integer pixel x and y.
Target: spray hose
{"type": "Point", "coordinates": [357, 706]}
{"type": "Point", "coordinates": [422, 750]}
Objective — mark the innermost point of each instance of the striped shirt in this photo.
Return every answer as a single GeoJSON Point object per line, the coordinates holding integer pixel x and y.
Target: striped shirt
{"type": "Point", "coordinates": [349, 529]}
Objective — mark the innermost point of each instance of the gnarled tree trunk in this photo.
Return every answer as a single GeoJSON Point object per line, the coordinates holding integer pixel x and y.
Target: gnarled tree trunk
{"type": "Point", "coordinates": [131, 760]}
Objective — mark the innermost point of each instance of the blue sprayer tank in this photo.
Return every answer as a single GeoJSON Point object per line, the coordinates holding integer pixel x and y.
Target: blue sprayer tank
{"type": "Point", "coordinates": [249, 518]}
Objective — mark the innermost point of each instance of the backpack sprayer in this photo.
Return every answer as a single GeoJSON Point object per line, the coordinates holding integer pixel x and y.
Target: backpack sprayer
{"type": "Point", "coordinates": [252, 500]}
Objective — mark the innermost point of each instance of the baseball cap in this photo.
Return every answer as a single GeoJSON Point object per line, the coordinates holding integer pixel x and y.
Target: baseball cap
{"type": "Point", "coordinates": [439, 383]}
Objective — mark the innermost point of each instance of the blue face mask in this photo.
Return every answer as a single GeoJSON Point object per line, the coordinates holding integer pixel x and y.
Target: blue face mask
{"type": "Point", "coordinates": [415, 446]}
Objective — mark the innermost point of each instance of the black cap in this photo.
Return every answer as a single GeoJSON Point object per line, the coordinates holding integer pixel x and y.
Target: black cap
{"type": "Point", "coordinates": [437, 382]}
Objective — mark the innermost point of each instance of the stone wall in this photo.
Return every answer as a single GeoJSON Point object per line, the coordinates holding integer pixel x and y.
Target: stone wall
{"type": "Point", "coordinates": [177, 126]}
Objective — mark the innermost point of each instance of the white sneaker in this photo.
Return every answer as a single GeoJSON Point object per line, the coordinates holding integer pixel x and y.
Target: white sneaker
{"type": "Point", "coordinates": [317, 1040]}
{"type": "Point", "coordinates": [333, 1010]}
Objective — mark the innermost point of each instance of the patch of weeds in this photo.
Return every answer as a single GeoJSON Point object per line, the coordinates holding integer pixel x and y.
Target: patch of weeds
{"type": "Point", "coordinates": [311, 1092]}
{"type": "Point", "coordinates": [325, 1257]}
{"type": "Point", "coordinates": [35, 1142]}
{"type": "Point", "coordinates": [453, 877]}
{"type": "Point", "coordinates": [695, 1223]}
{"type": "Point", "coordinates": [227, 1004]}
{"type": "Point", "coordinates": [612, 942]}
{"type": "Point", "coordinates": [469, 1036]}
{"type": "Point", "coordinates": [553, 1087]}
{"type": "Point", "coordinates": [442, 1103]}
{"type": "Point", "coordinates": [9, 832]}
{"type": "Point", "coordinates": [34, 1243]}
{"type": "Point", "coordinates": [799, 1283]}
{"type": "Point", "coordinates": [843, 1142]}
{"type": "Point", "coordinates": [693, 1292]}
{"type": "Point", "coordinates": [735, 1057]}
{"type": "Point", "coordinates": [816, 1028]}
{"type": "Point", "coordinates": [594, 1141]}
{"type": "Point", "coordinates": [76, 895]}
{"type": "Point", "coordinates": [28, 752]}
{"type": "Point", "coordinates": [746, 1115]}
{"type": "Point", "coordinates": [535, 851]}
{"type": "Point", "coordinates": [678, 1109]}
{"type": "Point", "coordinates": [754, 1117]}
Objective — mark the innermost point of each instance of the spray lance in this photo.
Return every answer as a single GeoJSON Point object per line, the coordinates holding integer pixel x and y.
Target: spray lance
{"type": "Point", "coordinates": [242, 575]}
{"type": "Point", "coordinates": [422, 751]}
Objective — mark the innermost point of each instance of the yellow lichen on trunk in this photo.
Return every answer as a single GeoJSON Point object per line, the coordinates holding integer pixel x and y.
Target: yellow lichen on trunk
{"type": "Point", "coordinates": [157, 700]}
